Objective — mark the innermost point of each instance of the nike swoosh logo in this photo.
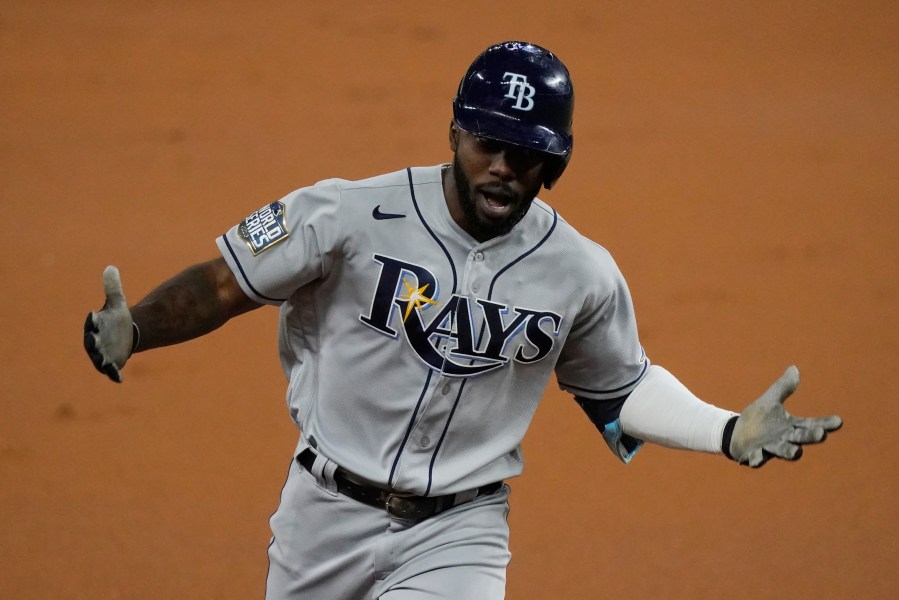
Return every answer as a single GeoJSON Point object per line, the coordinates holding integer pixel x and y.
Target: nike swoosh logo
{"type": "Point", "coordinates": [376, 213]}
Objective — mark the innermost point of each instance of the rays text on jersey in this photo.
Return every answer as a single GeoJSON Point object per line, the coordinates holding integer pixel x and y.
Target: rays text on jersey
{"type": "Point", "coordinates": [447, 342]}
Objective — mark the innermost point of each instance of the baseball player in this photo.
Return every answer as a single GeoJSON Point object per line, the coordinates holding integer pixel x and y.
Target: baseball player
{"type": "Point", "coordinates": [422, 313]}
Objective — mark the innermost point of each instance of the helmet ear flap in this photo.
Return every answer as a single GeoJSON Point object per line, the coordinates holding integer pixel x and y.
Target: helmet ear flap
{"type": "Point", "coordinates": [554, 168]}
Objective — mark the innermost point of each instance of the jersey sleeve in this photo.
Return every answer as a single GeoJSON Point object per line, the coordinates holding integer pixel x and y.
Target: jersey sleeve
{"type": "Point", "coordinates": [602, 358]}
{"type": "Point", "coordinates": [285, 244]}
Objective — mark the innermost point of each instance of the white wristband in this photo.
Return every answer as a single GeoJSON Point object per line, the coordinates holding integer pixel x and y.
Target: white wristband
{"type": "Point", "coordinates": [663, 411]}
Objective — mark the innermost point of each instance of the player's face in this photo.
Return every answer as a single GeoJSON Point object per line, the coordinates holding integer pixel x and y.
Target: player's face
{"type": "Point", "coordinates": [493, 184]}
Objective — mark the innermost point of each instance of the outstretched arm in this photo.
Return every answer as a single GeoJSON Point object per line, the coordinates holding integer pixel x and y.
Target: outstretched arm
{"type": "Point", "coordinates": [195, 302]}
{"type": "Point", "coordinates": [663, 411]}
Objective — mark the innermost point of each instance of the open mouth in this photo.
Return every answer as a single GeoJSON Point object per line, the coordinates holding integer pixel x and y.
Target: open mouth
{"type": "Point", "coordinates": [496, 205]}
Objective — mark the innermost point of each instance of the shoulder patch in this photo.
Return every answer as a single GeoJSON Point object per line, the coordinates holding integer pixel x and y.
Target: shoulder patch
{"type": "Point", "coordinates": [264, 228]}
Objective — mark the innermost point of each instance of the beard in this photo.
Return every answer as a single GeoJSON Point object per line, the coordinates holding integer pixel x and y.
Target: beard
{"type": "Point", "coordinates": [479, 228]}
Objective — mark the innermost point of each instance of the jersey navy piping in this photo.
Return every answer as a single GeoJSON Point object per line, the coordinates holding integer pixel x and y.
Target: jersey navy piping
{"type": "Point", "coordinates": [244, 275]}
{"type": "Point", "coordinates": [399, 453]}
{"type": "Point", "coordinates": [443, 436]}
{"type": "Point", "coordinates": [424, 390]}
{"type": "Point", "coordinates": [523, 256]}
{"type": "Point", "coordinates": [612, 391]}
{"type": "Point", "coordinates": [480, 339]}
{"type": "Point", "coordinates": [426, 226]}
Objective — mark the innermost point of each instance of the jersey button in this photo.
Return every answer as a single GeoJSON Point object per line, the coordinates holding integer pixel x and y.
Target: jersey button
{"type": "Point", "coordinates": [479, 256]}
{"type": "Point", "coordinates": [475, 286]}
{"type": "Point", "coordinates": [446, 389]}
{"type": "Point", "coordinates": [425, 442]}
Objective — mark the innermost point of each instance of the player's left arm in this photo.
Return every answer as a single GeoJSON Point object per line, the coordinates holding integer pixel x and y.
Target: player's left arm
{"type": "Point", "coordinates": [663, 411]}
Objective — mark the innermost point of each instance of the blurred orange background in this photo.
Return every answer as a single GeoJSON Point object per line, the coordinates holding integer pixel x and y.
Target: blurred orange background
{"type": "Point", "coordinates": [739, 160]}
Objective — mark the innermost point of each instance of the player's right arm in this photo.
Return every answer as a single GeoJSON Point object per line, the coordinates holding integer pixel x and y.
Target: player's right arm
{"type": "Point", "coordinates": [194, 302]}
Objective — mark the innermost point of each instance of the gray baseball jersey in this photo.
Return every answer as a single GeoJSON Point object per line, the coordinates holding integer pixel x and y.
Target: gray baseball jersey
{"type": "Point", "coordinates": [416, 356]}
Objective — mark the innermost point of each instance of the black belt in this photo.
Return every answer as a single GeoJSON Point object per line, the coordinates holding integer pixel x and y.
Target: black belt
{"type": "Point", "coordinates": [402, 506]}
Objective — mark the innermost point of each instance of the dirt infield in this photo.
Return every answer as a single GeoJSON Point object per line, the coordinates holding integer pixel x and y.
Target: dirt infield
{"type": "Point", "coordinates": [738, 159]}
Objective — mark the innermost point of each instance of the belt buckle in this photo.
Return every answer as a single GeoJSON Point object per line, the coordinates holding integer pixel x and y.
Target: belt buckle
{"type": "Point", "coordinates": [400, 506]}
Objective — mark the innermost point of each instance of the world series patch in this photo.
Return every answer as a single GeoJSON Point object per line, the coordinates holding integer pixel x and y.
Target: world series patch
{"type": "Point", "coordinates": [264, 228]}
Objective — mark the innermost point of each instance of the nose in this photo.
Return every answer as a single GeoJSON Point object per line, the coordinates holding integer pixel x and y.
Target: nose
{"type": "Point", "coordinates": [500, 166]}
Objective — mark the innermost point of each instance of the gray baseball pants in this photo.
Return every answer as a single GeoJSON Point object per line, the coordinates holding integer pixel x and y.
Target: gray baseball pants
{"type": "Point", "coordinates": [327, 546]}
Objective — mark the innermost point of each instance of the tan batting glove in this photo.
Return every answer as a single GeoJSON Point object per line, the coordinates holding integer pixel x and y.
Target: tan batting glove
{"type": "Point", "coordinates": [109, 335]}
{"type": "Point", "coordinates": [765, 429]}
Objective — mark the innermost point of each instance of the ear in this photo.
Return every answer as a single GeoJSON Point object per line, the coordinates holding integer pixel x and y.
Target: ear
{"type": "Point", "coordinates": [453, 136]}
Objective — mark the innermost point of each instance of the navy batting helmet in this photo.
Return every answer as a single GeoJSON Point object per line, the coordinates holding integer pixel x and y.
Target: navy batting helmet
{"type": "Point", "coordinates": [521, 94]}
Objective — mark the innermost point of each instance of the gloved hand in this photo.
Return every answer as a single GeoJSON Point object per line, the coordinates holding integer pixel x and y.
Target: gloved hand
{"type": "Point", "coordinates": [765, 429]}
{"type": "Point", "coordinates": [109, 335]}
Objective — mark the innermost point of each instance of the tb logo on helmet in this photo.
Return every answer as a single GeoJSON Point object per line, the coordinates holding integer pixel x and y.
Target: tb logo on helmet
{"type": "Point", "coordinates": [520, 89]}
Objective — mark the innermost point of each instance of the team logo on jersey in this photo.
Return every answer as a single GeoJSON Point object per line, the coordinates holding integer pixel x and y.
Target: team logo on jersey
{"type": "Point", "coordinates": [264, 228]}
{"type": "Point", "coordinates": [520, 90]}
{"type": "Point", "coordinates": [407, 294]}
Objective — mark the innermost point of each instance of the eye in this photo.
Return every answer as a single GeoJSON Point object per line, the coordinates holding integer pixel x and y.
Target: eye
{"type": "Point", "coordinates": [527, 156]}
{"type": "Point", "coordinates": [489, 145]}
